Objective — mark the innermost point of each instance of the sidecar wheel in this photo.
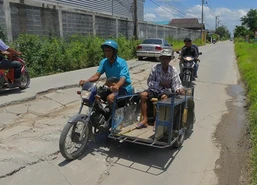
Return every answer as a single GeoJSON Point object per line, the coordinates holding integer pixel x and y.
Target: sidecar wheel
{"type": "Point", "coordinates": [177, 126]}
{"type": "Point", "coordinates": [77, 136]}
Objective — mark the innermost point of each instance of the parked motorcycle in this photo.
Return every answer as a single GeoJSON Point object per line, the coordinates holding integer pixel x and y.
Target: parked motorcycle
{"type": "Point", "coordinates": [7, 76]}
{"type": "Point", "coordinates": [83, 127]}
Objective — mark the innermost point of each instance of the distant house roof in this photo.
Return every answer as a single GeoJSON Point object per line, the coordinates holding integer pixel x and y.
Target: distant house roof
{"type": "Point", "coordinates": [189, 23]}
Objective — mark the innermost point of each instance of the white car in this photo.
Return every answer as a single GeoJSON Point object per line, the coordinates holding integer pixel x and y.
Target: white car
{"type": "Point", "coordinates": [152, 47]}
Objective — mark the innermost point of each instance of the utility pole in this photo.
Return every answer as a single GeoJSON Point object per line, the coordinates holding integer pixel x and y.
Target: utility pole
{"type": "Point", "coordinates": [216, 23]}
{"type": "Point", "coordinates": [202, 21]}
{"type": "Point", "coordinates": [135, 19]}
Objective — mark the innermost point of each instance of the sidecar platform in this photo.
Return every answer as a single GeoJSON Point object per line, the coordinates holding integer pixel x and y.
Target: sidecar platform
{"type": "Point", "coordinates": [125, 119]}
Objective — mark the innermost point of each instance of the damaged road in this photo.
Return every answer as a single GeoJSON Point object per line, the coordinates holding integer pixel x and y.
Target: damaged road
{"type": "Point", "coordinates": [30, 132]}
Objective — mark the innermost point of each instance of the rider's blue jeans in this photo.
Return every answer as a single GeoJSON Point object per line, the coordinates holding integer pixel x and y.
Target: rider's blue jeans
{"type": "Point", "coordinates": [196, 69]}
{"type": "Point", "coordinates": [7, 64]}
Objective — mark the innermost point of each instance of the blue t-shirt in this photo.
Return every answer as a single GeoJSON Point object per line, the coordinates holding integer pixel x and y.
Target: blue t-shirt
{"type": "Point", "coordinates": [3, 46]}
{"type": "Point", "coordinates": [118, 69]}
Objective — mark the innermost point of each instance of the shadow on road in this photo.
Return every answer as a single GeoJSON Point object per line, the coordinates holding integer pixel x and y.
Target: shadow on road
{"type": "Point", "coordinates": [11, 91]}
{"type": "Point", "coordinates": [153, 161]}
{"type": "Point", "coordinates": [149, 59]}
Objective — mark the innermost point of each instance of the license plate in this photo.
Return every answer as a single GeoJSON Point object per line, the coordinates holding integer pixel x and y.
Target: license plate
{"type": "Point", "coordinates": [148, 48]}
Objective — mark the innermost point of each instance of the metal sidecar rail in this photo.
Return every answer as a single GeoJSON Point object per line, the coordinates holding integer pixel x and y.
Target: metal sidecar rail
{"type": "Point", "coordinates": [153, 143]}
{"type": "Point", "coordinates": [164, 120]}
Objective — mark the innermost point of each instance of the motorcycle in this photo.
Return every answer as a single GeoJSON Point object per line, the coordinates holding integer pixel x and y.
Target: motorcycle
{"type": "Point", "coordinates": [81, 128]}
{"type": "Point", "coordinates": [7, 76]}
{"type": "Point", "coordinates": [187, 70]}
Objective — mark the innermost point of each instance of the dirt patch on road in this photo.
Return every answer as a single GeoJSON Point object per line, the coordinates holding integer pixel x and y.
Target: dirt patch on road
{"type": "Point", "coordinates": [232, 135]}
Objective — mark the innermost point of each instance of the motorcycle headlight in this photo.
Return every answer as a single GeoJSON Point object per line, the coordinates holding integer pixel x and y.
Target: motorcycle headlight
{"type": "Point", "coordinates": [188, 64]}
{"type": "Point", "coordinates": [85, 94]}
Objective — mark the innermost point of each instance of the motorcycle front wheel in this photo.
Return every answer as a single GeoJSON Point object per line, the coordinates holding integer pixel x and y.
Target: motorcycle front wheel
{"type": "Point", "coordinates": [186, 80]}
{"type": "Point", "coordinates": [73, 140]}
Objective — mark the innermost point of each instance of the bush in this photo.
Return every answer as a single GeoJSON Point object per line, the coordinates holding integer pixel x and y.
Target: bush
{"type": "Point", "coordinates": [49, 55]}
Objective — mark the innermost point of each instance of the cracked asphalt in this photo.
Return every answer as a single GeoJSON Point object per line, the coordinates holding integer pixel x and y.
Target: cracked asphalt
{"type": "Point", "coordinates": [31, 123]}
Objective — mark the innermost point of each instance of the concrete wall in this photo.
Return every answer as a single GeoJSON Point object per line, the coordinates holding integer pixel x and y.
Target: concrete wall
{"type": "Point", "coordinates": [76, 23]}
{"type": "Point", "coordinates": [2, 19]}
{"type": "Point", "coordinates": [19, 16]}
{"type": "Point", "coordinates": [33, 20]}
{"type": "Point", "coordinates": [121, 8]}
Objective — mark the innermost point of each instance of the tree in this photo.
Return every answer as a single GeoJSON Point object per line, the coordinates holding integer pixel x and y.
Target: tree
{"type": "Point", "coordinates": [250, 20]}
{"type": "Point", "coordinates": [223, 32]}
{"type": "Point", "coordinates": [241, 31]}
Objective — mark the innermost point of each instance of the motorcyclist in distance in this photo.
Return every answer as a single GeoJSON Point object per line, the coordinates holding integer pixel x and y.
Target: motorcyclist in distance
{"type": "Point", "coordinates": [189, 50]}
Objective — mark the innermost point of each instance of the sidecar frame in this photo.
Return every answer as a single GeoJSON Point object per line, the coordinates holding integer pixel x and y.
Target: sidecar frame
{"type": "Point", "coordinates": [164, 135]}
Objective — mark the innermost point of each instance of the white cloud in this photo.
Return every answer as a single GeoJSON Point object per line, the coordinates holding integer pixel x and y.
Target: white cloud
{"type": "Point", "coordinates": [159, 14]}
{"type": "Point", "coordinates": [227, 17]}
{"type": "Point", "coordinates": [149, 16]}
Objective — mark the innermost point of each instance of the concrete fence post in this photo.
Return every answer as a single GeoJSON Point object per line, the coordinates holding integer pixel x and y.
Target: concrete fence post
{"type": "Point", "coordinates": [60, 21]}
{"type": "Point", "coordinates": [117, 27]}
{"type": "Point", "coordinates": [164, 35]}
{"type": "Point", "coordinates": [8, 22]}
{"type": "Point", "coordinates": [94, 25]}
{"type": "Point", "coordinates": [156, 28]}
{"type": "Point", "coordinates": [146, 30]}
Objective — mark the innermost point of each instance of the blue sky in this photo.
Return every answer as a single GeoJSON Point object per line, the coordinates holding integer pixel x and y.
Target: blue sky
{"type": "Point", "coordinates": [229, 11]}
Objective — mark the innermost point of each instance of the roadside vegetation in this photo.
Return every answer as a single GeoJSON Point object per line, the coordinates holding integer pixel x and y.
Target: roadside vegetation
{"type": "Point", "coordinates": [46, 55]}
{"type": "Point", "coordinates": [49, 55]}
{"type": "Point", "coordinates": [245, 48]}
{"type": "Point", "coordinates": [247, 63]}
{"type": "Point", "coordinates": [178, 44]}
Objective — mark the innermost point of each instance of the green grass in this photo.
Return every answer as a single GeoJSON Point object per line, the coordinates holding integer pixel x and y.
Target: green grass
{"type": "Point", "coordinates": [247, 63]}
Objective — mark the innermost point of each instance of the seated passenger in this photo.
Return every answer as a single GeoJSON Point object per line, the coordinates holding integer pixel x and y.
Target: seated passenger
{"type": "Point", "coordinates": [162, 81]}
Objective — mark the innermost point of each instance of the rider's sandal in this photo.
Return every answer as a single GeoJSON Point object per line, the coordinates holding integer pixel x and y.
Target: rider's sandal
{"type": "Point", "coordinates": [140, 125]}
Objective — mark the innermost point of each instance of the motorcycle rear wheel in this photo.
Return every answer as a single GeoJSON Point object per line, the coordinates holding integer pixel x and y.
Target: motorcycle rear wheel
{"type": "Point", "coordinates": [78, 141]}
{"type": "Point", "coordinates": [25, 80]}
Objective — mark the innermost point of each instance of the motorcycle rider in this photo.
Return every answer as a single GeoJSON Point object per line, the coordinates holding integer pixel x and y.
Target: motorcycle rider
{"type": "Point", "coordinates": [162, 80]}
{"type": "Point", "coordinates": [112, 66]}
{"type": "Point", "coordinates": [193, 45]}
{"type": "Point", "coordinates": [9, 63]}
{"type": "Point", "coordinates": [189, 50]}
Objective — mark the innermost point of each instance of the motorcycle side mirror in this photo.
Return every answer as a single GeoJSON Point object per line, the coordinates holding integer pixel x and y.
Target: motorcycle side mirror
{"type": "Point", "coordinates": [200, 53]}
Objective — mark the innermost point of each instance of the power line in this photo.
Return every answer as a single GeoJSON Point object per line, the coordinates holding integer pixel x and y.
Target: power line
{"type": "Point", "coordinates": [173, 8]}
{"type": "Point", "coordinates": [160, 6]}
{"type": "Point", "coordinates": [177, 8]}
{"type": "Point", "coordinates": [210, 8]}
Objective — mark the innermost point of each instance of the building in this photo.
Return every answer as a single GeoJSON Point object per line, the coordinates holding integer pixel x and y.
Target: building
{"type": "Point", "coordinates": [187, 23]}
